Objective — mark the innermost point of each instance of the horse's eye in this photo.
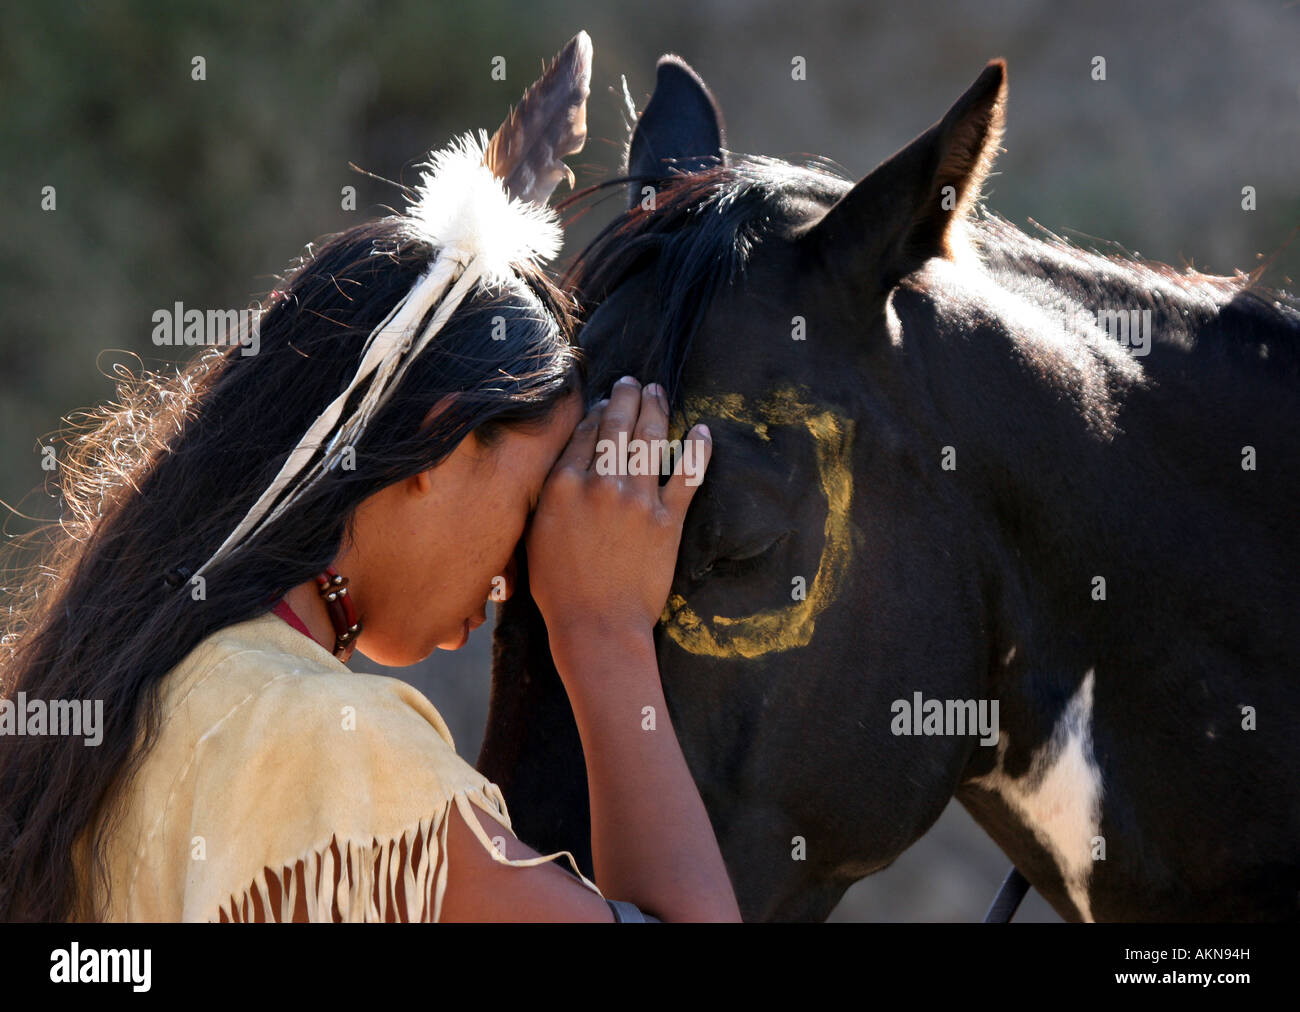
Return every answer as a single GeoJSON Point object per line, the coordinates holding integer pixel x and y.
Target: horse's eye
{"type": "Point", "coordinates": [743, 558]}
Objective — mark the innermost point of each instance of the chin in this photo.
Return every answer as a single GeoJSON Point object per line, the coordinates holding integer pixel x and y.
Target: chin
{"type": "Point", "coordinates": [455, 643]}
{"type": "Point", "coordinates": [403, 652]}
{"type": "Point", "coordinates": [391, 656]}
{"type": "Point", "coordinates": [457, 639]}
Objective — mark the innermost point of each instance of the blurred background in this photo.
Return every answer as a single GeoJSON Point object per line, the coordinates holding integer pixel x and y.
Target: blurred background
{"type": "Point", "coordinates": [170, 189]}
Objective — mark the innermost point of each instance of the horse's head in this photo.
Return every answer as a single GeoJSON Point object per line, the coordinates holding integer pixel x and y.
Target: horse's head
{"type": "Point", "coordinates": [826, 569]}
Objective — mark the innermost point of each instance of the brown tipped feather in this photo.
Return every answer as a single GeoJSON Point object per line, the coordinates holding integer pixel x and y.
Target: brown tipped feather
{"type": "Point", "coordinates": [549, 123]}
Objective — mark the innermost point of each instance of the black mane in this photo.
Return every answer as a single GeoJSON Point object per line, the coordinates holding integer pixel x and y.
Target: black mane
{"type": "Point", "coordinates": [705, 225]}
{"type": "Point", "coordinates": [700, 236]}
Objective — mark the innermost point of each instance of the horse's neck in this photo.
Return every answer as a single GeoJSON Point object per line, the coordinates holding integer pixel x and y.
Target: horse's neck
{"type": "Point", "coordinates": [1105, 482]}
{"type": "Point", "coordinates": [531, 748]}
{"type": "Point", "coordinates": [1085, 460]}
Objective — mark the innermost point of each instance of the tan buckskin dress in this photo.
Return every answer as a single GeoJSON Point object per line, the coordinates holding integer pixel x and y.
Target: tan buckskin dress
{"type": "Point", "coordinates": [272, 752]}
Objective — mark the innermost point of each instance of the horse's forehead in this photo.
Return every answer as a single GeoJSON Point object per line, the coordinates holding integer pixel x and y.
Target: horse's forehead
{"type": "Point", "coordinates": [625, 323]}
{"type": "Point", "coordinates": [627, 312]}
{"type": "Point", "coordinates": [620, 331]}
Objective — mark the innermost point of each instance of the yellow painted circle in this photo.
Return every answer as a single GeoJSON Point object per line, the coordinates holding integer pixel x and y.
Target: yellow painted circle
{"type": "Point", "coordinates": [792, 626]}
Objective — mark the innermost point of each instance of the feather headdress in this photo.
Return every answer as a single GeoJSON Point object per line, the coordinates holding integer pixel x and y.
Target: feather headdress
{"type": "Point", "coordinates": [482, 204]}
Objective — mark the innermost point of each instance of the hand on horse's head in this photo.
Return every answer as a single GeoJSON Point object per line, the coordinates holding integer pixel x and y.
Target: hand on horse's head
{"type": "Point", "coordinates": [603, 544]}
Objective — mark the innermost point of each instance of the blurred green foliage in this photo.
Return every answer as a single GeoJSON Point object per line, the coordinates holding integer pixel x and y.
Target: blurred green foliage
{"type": "Point", "coordinates": [202, 191]}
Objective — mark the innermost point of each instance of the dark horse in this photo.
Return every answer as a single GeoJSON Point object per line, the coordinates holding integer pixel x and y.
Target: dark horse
{"type": "Point", "coordinates": [954, 465]}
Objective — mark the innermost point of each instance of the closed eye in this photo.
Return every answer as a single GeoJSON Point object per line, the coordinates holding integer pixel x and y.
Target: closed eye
{"type": "Point", "coordinates": [742, 559]}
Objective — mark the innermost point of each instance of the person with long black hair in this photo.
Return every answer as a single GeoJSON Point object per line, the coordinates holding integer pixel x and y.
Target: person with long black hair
{"type": "Point", "coordinates": [412, 415]}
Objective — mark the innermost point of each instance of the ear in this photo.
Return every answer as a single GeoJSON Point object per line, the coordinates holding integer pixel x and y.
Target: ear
{"type": "Point", "coordinates": [681, 130]}
{"type": "Point", "coordinates": [913, 206]}
{"type": "Point", "coordinates": [549, 123]}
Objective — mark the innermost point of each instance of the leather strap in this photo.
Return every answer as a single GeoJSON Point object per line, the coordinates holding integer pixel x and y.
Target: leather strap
{"type": "Point", "coordinates": [628, 913]}
{"type": "Point", "coordinates": [1006, 902]}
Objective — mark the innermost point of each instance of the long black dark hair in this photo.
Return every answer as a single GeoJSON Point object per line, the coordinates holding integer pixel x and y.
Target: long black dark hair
{"type": "Point", "coordinates": [152, 484]}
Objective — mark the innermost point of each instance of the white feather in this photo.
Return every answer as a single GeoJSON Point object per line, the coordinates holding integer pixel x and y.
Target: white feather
{"type": "Point", "coordinates": [464, 209]}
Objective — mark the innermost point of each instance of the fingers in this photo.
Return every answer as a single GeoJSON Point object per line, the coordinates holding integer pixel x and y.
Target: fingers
{"type": "Point", "coordinates": [620, 416]}
{"type": "Point", "coordinates": [640, 416]}
{"type": "Point", "coordinates": [688, 472]}
{"type": "Point", "coordinates": [581, 448]}
{"type": "Point", "coordinates": [645, 459]}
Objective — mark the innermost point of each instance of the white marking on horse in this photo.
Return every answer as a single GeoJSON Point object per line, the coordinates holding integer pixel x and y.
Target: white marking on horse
{"type": "Point", "coordinates": [1059, 799]}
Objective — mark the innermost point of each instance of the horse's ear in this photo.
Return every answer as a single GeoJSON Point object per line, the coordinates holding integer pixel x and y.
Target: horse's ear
{"type": "Point", "coordinates": [910, 208]}
{"type": "Point", "coordinates": [681, 130]}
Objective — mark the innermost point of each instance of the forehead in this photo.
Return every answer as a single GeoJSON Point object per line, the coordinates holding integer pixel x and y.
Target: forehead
{"type": "Point", "coordinates": [520, 461]}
